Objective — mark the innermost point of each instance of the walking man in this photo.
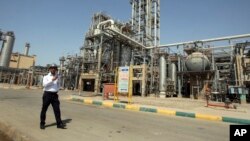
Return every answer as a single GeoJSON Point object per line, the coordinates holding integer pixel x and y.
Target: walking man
{"type": "Point", "coordinates": [51, 87]}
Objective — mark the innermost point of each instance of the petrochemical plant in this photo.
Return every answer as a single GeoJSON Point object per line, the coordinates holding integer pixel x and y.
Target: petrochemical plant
{"type": "Point", "coordinates": [218, 67]}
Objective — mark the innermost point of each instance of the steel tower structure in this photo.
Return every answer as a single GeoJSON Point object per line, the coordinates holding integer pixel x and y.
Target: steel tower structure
{"type": "Point", "coordinates": [146, 26]}
{"type": "Point", "coordinates": [146, 21]}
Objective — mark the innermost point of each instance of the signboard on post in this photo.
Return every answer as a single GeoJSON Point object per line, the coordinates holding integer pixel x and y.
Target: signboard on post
{"type": "Point", "coordinates": [123, 80]}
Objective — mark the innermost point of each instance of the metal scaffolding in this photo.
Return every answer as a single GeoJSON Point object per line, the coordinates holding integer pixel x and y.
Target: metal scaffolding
{"type": "Point", "coordinates": [185, 69]}
{"type": "Point", "coordinates": [146, 26]}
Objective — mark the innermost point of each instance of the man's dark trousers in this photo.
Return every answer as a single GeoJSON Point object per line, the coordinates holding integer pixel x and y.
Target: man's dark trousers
{"type": "Point", "coordinates": [50, 98]}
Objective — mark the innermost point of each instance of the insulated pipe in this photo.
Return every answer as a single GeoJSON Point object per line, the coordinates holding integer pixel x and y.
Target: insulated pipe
{"type": "Point", "coordinates": [105, 22]}
{"type": "Point", "coordinates": [148, 24]}
{"type": "Point", "coordinates": [113, 30]}
{"type": "Point", "coordinates": [159, 24]}
{"type": "Point", "coordinates": [162, 85]}
{"type": "Point", "coordinates": [205, 40]}
{"type": "Point", "coordinates": [179, 77]}
{"type": "Point", "coordinates": [98, 81]}
{"type": "Point", "coordinates": [221, 47]}
{"type": "Point", "coordinates": [155, 23]}
{"type": "Point", "coordinates": [132, 21]}
{"type": "Point", "coordinates": [173, 72]}
{"type": "Point", "coordinates": [139, 32]}
{"type": "Point", "coordinates": [126, 37]}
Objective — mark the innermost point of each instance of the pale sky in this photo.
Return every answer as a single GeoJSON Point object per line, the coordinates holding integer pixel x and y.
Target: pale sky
{"type": "Point", "coordinates": [57, 27]}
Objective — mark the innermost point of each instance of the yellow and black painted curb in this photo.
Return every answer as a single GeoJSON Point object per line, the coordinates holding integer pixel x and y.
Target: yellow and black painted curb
{"type": "Point", "coordinates": [159, 110]}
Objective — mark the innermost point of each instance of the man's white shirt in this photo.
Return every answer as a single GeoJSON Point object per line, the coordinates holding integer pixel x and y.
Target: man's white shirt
{"type": "Point", "coordinates": [49, 85]}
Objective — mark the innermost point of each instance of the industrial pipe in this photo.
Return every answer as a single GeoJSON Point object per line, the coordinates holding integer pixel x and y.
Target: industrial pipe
{"type": "Point", "coordinates": [126, 37]}
{"type": "Point", "coordinates": [162, 85]}
{"type": "Point", "coordinates": [111, 28]}
{"type": "Point", "coordinates": [205, 40]}
{"type": "Point", "coordinates": [105, 22]}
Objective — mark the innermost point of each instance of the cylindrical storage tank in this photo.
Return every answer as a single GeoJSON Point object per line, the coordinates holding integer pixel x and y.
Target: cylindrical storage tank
{"type": "Point", "coordinates": [163, 71]}
{"type": "Point", "coordinates": [173, 72]}
{"type": "Point", "coordinates": [197, 61]}
{"type": "Point", "coordinates": [26, 49]}
{"type": "Point", "coordinates": [62, 60]}
{"type": "Point", "coordinates": [8, 43]}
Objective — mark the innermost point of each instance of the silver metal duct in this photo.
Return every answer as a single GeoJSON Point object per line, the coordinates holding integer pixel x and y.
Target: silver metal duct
{"type": "Point", "coordinates": [203, 41]}
{"type": "Point", "coordinates": [132, 41]}
{"type": "Point", "coordinates": [162, 85]}
{"type": "Point", "coordinates": [26, 49]}
{"type": "Point", "coordinates": [173, 72]}
{"type": "Point", "coordinates": [8, 43]}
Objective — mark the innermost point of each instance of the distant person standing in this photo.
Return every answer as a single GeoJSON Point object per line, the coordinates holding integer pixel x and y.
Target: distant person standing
{"type": "Point", "coordinates": [51, 84]}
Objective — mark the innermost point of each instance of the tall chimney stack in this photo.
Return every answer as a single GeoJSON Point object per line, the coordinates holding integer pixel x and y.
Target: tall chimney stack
{"type": "Point", "coordinates": [26, 49]}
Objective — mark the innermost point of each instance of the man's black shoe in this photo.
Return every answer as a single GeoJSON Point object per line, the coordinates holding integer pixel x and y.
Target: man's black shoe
{"type": "Point", "coordinates": [42, 126]}
{"type": "Point", "coordinates": [61, 126]}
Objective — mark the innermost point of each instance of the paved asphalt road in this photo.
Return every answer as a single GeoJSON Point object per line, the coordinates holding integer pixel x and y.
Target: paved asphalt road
{"type": "Point", "coordinates": [20, 111]}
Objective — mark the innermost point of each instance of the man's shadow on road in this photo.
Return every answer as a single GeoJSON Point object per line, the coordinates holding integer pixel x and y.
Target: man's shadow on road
{"type": "Point", "coordinates": [65, 121]}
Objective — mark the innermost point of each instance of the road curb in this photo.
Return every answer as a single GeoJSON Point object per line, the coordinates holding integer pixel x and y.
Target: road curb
{"type": "Point", "coordinates": [159, 110]}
